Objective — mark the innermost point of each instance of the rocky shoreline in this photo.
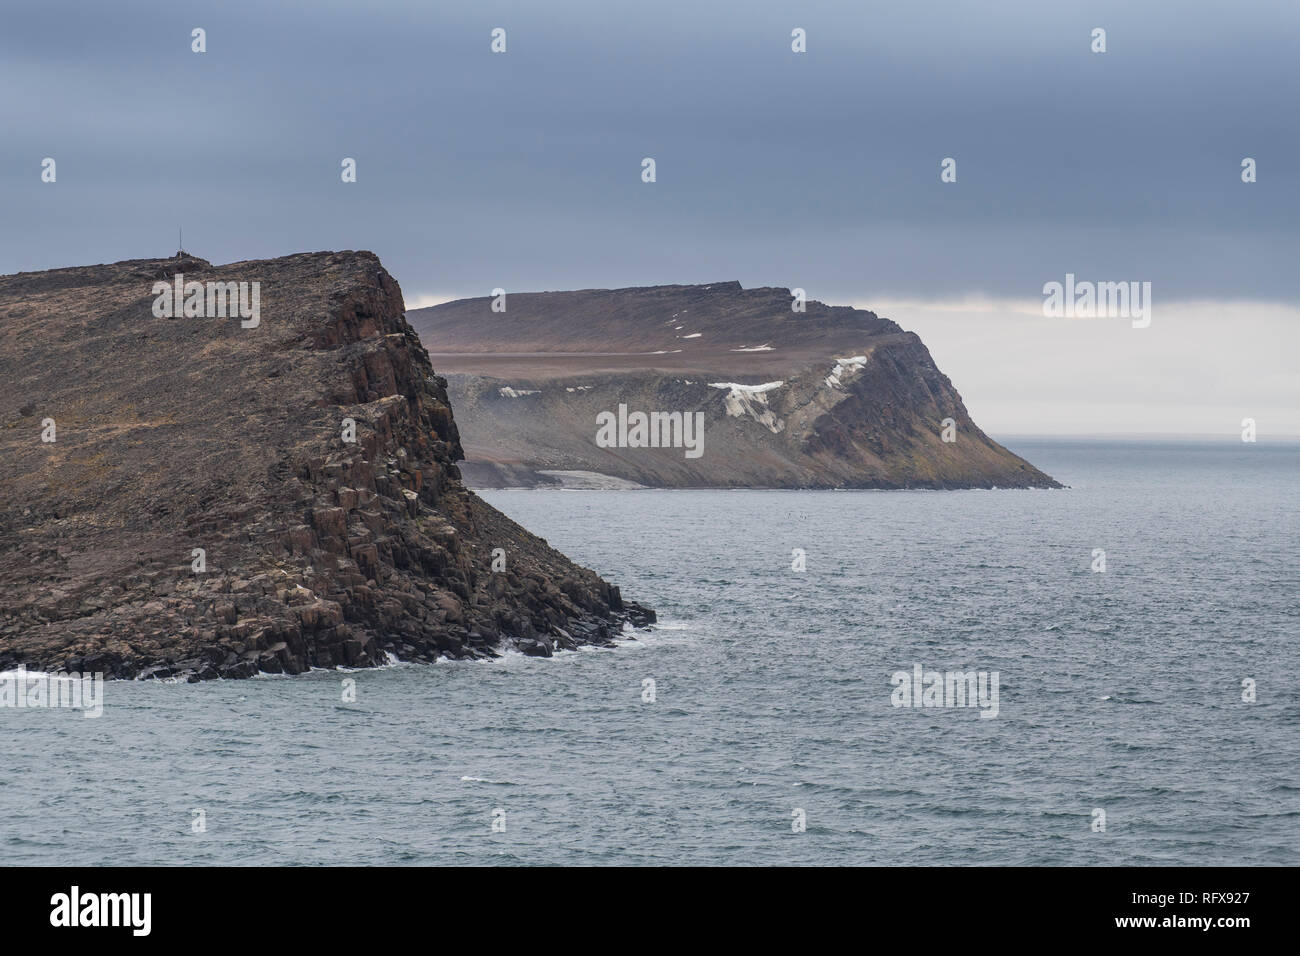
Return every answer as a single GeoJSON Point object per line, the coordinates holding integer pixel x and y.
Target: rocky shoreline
{"type": "Point", "coordinates": [188, 436]}
{"type": "Point", "coordinates": [825, 397]}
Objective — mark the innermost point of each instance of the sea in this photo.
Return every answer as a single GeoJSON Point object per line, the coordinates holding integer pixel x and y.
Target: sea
{"type": "Point", "coordinates": [792, 706]}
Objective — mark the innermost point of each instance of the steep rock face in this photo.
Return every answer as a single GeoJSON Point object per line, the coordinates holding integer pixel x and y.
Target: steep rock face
{"type": "Point", "coordinates": [833, 397]}
{"type": "Point", "coordinates": [178, 434]}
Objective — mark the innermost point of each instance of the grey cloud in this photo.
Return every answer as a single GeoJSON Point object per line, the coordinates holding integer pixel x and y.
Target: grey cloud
{"type": "Point", "coordinates": [819, 170]}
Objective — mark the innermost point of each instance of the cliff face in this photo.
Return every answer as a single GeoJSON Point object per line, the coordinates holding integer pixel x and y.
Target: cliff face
{"type": "Point", "coordinates": [832, 397]}
{"type": "Point", "coordinates": [178, 434]}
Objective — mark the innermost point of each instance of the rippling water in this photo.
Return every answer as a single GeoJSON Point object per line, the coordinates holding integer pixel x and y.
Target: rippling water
{"type": "Point", "coordinates": [1119, 691]}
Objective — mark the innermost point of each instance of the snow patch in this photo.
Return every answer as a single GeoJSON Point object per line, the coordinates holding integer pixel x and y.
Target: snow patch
{"type": "Point", "coordinates": [508, 392]}
{"type": "Point", "coordinates": [576, 480]}
{"type": "Point", "coordinates": [755, 348]}
{"type": "Point", "coordinates": [751, 400]}
{"type": "Point", "coordinates": [845, 368]}
{"type": "Point", "coordinates": [747, 389]}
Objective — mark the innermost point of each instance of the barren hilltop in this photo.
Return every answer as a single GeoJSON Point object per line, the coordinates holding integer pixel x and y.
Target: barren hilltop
{"type": "Point", "coordinates": [181, 498]}
{"type": "Point", "coordinates": [830, 397]}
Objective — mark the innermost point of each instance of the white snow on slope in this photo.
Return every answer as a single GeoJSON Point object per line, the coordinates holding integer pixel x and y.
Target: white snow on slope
{"type": "Point", "coordinates": [751, 400]}
{"type": "Point", "coordinates": [845, 368]}
{"type": "Point", "coordinates": [748, 389]}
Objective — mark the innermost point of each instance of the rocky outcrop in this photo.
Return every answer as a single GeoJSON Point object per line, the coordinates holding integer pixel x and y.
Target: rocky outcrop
{"type": "Point", "coordinates": [831, 397]}
{"type": "Point", "coordinates": [201, 511]}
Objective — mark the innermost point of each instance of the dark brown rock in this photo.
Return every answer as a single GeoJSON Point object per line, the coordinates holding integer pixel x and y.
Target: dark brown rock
{"type": "Point", "coordinates": [184, 433]}
{"type": "Point", "coordinates": [528, 383]}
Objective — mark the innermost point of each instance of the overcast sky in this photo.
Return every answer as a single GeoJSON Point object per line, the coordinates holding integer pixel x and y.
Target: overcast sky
{"type": "Point", "coordinates": [818, 170]}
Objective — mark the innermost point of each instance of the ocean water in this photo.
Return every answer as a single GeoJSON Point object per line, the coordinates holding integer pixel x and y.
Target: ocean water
{"type": "Point", "coordinates": [1119, 691]}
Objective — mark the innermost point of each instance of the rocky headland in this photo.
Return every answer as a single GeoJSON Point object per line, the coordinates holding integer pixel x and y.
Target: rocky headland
{"type": "Point", "coordinates": [198, 497]}
{"type": "Point", "coordinates": [827, 397]}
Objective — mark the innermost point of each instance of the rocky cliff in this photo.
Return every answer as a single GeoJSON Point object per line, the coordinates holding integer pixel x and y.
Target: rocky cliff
{"type": "Point", "coordinates": [212, 497]}
{"type": "Point", "coordinates": [828, 397]}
